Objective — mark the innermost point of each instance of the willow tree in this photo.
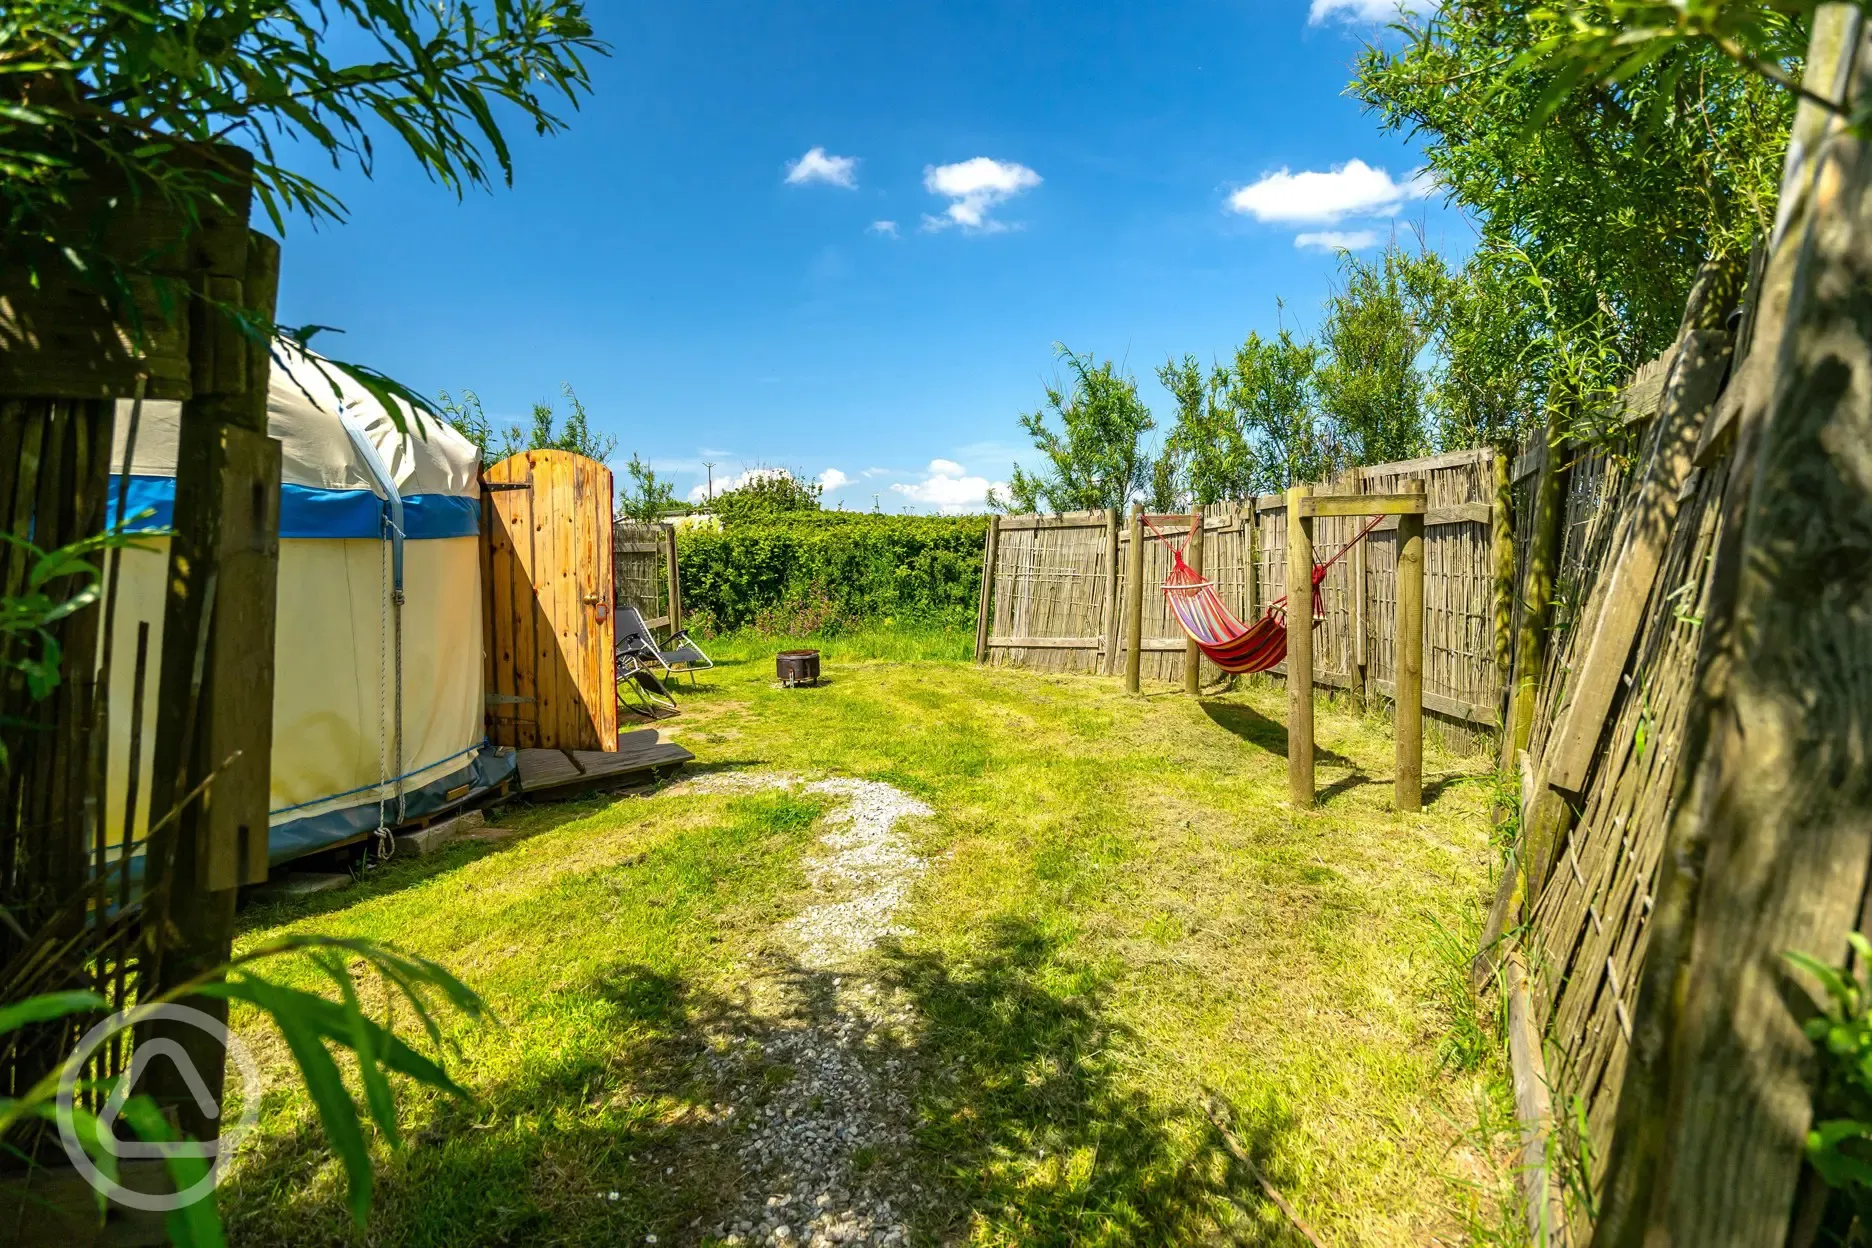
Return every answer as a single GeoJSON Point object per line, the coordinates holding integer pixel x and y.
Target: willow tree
{"type": "Point", "coordinates": [1095, 458]}
{"type": "Point", "coordinates": [157, 104]}
{"type": "Point", "coordinates": [1597, 195]}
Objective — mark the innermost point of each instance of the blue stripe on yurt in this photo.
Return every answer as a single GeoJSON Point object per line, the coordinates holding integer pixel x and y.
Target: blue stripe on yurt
{"type": "Point", "coordinates": [487, 771]}
{"type": "Point", "coordinates": [309, 512]}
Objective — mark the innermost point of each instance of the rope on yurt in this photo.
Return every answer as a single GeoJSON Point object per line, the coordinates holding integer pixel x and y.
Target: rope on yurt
{"type": "Point", "coordinates": [386, 841]}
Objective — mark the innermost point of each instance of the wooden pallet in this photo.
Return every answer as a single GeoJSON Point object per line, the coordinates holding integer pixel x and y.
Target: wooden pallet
{"type": "Point", "coordinates": [639, 759]}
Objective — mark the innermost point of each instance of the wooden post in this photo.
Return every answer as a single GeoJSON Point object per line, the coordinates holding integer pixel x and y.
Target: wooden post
{"type": "Point", "coordinates": [673, 577]}
{"type": "Point", "coordinates": [1134, 601]}
{"type": "Point", "coordinates": [1299, 648]}
{"type": "Point", "coordinates": [1502, 535]}
{"type": "Point", "coordinates": [1111, 590]}
{"type": "Point", "coordinates": [1537, 582]}
{"type": "Point", "coordinates": [1251, 551]}
{"type": "Point", "coordinates": [1408, 787]}
{"type": "Point", "coordinates": [217, 666]}
{"type": "Point", "coordinates": [991, 550]}
{"type": "Point", "coordinates": [1361, 590]}
{"type": "Point", "coordinates": [1192, 656]}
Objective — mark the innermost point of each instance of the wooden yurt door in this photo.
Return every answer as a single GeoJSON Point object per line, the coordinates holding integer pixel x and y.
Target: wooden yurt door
{"type": "Point", "coordinates": [550, 632]}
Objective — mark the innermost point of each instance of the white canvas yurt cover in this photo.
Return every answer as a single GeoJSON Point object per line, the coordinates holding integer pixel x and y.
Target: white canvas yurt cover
{"type": "Point", "coordinates": [363, 506]}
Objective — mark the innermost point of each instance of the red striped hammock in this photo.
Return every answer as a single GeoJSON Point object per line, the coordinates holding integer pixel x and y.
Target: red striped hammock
{"type": "Point", "coordinates": [1224, 640]}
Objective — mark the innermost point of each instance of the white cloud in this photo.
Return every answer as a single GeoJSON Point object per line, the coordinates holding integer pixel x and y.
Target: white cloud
{"type": "Point", "coordinates": [833, 480]}
{"type": "Point", "coordinates": [1353, 11]}
{"type": "Point", "coordinates": [816, 166]}
{"type": "Point", "coordinates": [1354, 189]}
{"type": "Point", "coordinates": [949, 489]}
{"type": "Point", "coordinates": [724, 484]}
{"type": "Point", "coordinates": [887, 228]}
{"type": "Point", "coordinates": [973, 187]}
{"type": "Point", "coordinates": [1338, 240]}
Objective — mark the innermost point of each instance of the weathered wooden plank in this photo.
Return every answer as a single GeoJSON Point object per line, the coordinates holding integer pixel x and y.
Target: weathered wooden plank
{"type": "Point", "coordinates": [1072, 520]}
{"type": "Point", "coordinates": [239, 720]}
{"type": "Point", "coordinates": [1442, 517]}
{"type": "Point", "coordinates": [1366, 505]}
{"type": "Point", "coordinates": [552, 773]}
{"type": "Point", "coordinates": [1652, 514]}
{"type": "Point", "coordinates": [1477, 713]}
{"type": "Point", "coordinates": [998, 642]}
{"type": "Point", "coordinates": [1533, 1109]}
{"type": "Point", "coordinates": [1427, 464]}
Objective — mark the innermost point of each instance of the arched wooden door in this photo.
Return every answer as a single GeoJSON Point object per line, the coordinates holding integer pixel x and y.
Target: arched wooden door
{"type": "Point", "coordinates": [550, 632]}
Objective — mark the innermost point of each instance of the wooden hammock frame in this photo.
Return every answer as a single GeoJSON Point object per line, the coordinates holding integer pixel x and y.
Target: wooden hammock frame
{"type": "Point", "coordinates": [1409, 507]}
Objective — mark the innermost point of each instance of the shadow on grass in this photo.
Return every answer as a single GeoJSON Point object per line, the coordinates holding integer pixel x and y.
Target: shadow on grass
{"type": "Point", "coordinates": [605, 1133]}
{"type": "Point", "coordinates": [1029, 1130]}
{"type": "Point", "coordinates": [605, 1123]}
{"type": "Point", "coordinates": [1258, 730]}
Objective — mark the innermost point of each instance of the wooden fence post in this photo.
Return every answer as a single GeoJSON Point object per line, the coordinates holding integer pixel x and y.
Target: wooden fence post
{"type": "Point", "coordinates": [1361, 589]}
{"type": "Point", "coordinates": [1111, 590]}
{"type": "Point", "coordinates": [1299, 647]}
{"type": "Point", "coordinates": [1537, 582]}
{"type": "Point", "coordinates": [1192, 656]}
{"type": "Point", "coordinates": [991, 550]}
{"type": "Point", "coordinates": [1134, 602]}
{"type": "Point", "coordinates": [1503, 549]}
{"type": "Point", "coordinates": [673, 577]}
{"type": "Point", "coordinates": [1408, 787]}
{"type": "Point", "coordinates": [1251, 551]}
{"type": "Point", "coordinates": [216, 685]}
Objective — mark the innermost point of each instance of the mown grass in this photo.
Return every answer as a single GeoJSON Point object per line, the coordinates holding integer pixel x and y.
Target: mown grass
{"type": "Point", "coordinates": [1122, 922]}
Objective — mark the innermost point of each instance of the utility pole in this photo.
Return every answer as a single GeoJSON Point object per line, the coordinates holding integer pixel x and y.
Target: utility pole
{"type": "Point", "coordinates": [711, 479]}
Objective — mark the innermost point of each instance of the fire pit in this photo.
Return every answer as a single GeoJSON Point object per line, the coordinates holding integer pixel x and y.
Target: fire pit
{"type": "Point", "coordinates": [797, 667]}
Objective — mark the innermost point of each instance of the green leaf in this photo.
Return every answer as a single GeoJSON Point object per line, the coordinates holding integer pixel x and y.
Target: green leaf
{"type": "Point", "coordinates": [337, 1111]}
{"type": "Point", "coordinates": [49, 1006]}
{"type": "Point", "coordinates": [195, 1225]}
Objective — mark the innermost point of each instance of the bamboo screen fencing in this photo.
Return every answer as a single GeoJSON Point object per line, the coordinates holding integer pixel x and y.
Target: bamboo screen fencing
{"type": "Point", "coordinates": [644, 576]}
{"type": "Point", "coordinates": [1055, 587]}
{"type": "Point", "coordinates": [1639, 502]}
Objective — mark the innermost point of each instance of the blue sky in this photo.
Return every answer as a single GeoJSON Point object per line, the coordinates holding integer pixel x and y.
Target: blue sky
{"type": "Point", "coordinates": [702, 254]}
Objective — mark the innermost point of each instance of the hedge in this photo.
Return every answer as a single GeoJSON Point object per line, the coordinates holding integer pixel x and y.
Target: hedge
{"type": "Point", "coordinates": [828, 571]}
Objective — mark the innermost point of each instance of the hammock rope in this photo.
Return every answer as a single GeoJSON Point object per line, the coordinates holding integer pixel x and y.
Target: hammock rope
{"type": "Point", "coordinates": [1224, 640]}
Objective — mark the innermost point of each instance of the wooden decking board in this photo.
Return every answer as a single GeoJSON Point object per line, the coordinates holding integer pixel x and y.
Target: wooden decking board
{"type": "Point", "coordinates": [639, 756]}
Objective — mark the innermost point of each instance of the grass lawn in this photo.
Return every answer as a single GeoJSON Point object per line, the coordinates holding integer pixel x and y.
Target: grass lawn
{"type": "Point", "coordinates": [1123, 935]}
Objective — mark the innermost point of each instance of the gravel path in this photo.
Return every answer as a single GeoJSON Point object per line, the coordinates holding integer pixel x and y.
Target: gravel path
{"type": "Point", "coordinates": [821, 1093]}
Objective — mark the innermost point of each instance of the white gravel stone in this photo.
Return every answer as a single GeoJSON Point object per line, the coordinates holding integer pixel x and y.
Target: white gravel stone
{"type": "Point", "coordinates": [802, 1182]}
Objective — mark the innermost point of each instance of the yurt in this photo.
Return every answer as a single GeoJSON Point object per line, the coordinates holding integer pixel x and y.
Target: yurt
{"type": "Point", "coordinates": [377, 703]}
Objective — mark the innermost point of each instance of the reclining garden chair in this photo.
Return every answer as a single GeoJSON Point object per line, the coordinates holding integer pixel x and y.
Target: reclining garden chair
{"type": "Point", "coordinates": [680, 655]}
{"type": "Point", "coordinates": [653, 696]}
